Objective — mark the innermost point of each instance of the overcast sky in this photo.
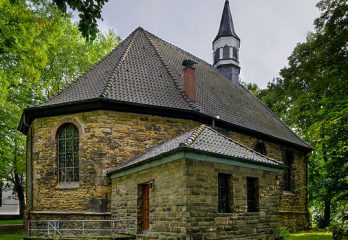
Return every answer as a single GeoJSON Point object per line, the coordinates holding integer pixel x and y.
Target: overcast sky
{"type": "Point", "coordinates": [269, 29]}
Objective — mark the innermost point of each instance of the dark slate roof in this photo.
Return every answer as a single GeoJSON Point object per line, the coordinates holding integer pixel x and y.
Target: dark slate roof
{"type": "Point", "coordinates": [146, 70]}
{"type": "Point", "coordinates": [226, 24]}
{"type": "Point", "coordinates": [203, 139]}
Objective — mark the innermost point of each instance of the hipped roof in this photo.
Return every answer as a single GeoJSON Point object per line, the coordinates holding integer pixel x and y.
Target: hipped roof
{"type": "Point", "coordinates": [146, 72]}
{"type": "Point", "coordinates": [202, 139]}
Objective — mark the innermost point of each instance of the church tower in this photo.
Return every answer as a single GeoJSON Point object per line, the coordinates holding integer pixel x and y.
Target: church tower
{"type": "Point", "coordinates": [226, 47]}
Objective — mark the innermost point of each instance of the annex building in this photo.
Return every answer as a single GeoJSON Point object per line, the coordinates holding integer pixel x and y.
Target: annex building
{"type": "Point", "coordinates": [167, 146]}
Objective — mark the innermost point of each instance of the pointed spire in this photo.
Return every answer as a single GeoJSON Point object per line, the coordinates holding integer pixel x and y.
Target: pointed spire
{"type": "Point", "coordinates": [226, 24]}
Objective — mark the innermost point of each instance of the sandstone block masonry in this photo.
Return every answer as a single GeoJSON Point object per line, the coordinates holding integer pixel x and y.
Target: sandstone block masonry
{"type": "Point", "coordinates": [184, 202]}
{"type": "Point", "coordinates": [108, 138]}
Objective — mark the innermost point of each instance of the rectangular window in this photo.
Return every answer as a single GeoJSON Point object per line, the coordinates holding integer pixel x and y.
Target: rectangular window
{"type": "Point", "coordinates": [224, 192]}
{"type": "Point", "coordinates": [287, 179]}
{"type": "Point", "coordinates": [252, 194]}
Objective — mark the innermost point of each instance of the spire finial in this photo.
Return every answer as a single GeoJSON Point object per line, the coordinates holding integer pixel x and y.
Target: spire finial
{"type": "Point", "coordinates": [226, 23]}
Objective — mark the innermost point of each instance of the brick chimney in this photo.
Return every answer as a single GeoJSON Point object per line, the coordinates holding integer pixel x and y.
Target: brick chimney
{"type": "Point", "coordinates": [189, 79]}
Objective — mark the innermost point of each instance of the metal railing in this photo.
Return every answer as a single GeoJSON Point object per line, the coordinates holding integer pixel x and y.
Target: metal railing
{"type": "Point", "coordinates": [80, 227]}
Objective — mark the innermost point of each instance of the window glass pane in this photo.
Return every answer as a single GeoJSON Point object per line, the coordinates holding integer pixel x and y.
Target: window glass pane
{"type": "Point", "coordinates": [76, 174]}
{"type": "Point", "coordinates": [67, 147]}
{"type": "Point", "coordinates": [223, 191]}
{"type": "Point", "coordinates": [260, 148]}
{"type": "Point", "coordinates": [287, 180]}
{"type": "Point", "coordinates": [76, 160]}
{"type": "Point", "coordinates": [252, 194]}
{"type": "Point", "coordinates": [76, 145]}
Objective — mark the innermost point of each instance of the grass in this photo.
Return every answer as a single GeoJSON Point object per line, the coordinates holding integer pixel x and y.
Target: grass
{"type": "Point", "coordinates": [6, 232]}
{"type": "Point", "coordinates": [12, 236]}
{"type": "Point", "coordinates": [15, 221]}
{"type": "Point", "coordinates": [310, 236]}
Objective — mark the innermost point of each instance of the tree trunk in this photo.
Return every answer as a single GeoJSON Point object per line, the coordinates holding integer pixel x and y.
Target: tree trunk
{"type": "Point", "coordinates": [327, 212]}
{"type": "Point", "coordinates": [20, 193]}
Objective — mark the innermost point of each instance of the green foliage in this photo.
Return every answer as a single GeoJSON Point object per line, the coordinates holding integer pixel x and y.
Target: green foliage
{"type": "Point", "coordinates": [284, 232]}
{"type": "Point", "coordinates": [312, 97]}
{"type": "Point", "coordinates": [89, 13]}
{"type": "Point", "coordinates": [339, 231]}
{"type": "Point", "coordinates": [41, 51]}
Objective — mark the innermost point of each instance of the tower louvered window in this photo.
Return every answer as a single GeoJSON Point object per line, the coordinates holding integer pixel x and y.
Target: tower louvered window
{"type": "Point", "coordinates": [235, 53]}
{"type": "Point", "coordinates": [226, 52]}
{"type": "Point", "coordinates": [217, 55]}
{"type": "Point", "coordinates": [68, 153]}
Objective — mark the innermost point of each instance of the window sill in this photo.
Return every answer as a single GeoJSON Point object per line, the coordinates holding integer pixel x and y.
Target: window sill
{"type": "Point", "coordinates": [68, 185]}
{"type": "Point", "coordinates": [289, 193]}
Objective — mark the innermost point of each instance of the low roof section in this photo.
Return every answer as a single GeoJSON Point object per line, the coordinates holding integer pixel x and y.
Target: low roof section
{"type": "Point", "coordinates": [202, 143]}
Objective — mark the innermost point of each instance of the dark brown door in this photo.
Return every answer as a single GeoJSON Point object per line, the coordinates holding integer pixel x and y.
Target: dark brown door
{"type": "Point", "coordinates": [145, 213]}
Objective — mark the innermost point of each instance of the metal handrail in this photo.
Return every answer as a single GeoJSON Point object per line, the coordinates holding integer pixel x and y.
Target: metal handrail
{"type": "Point", "coordinates": [56, 227]}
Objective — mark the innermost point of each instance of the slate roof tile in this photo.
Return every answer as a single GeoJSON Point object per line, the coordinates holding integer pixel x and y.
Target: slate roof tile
{"type": "Point", "coordinates": [205, 139]}
{"type": "Point", "coordinates": [147, 70]}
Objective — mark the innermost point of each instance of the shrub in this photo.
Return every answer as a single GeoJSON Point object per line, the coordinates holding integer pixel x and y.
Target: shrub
{"type": "Point", "coordinates": [283, 232]}
{"type": "Point", "coordinates": [339, 231]}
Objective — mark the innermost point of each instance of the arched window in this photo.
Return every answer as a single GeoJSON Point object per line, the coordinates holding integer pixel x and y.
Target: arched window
{"type": "Point", "coordinates": [68, 153]}
{"type": "Point", "coordinates": [287, 178]}
{"type": "Point", "coordinates": [235, 53]}
{"type": "Point", "coordinates": [226, 52]}
{"type": "Point", "coordinates": [260, 148]}
{"type": "Point", "coordinates": [217, 55]}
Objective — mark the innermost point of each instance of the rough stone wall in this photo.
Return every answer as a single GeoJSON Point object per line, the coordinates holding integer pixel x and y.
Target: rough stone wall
{"type": "Point", "coordinates": [167, 200]}
{"type": "Point", "coordinates": [202, 203]}
{"type": "Point", "coordinates": [293, 205]}
{"type": "Point", "coordinates": [107, 139]}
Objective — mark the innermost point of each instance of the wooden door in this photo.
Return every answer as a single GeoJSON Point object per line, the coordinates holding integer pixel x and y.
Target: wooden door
{"type": "Point", "coordinates": [145, 205]}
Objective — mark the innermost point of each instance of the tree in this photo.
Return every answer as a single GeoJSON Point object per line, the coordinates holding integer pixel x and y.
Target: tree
{"type": "Point", "coordinates": [312, 97]}
{"type": "Point", "coordinates": [89, 13]}
{"type": "Point", "coordinates": [41, 51]}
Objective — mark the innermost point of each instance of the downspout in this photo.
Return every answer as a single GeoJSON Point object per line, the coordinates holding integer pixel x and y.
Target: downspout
{"type": "Point", "coordinates": [29, 175]}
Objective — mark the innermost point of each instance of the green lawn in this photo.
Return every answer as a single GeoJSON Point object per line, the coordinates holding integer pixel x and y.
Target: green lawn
{"type": "Point", "coordinates": [16, 221]}
{"type": "Point", "coordinates": [12, 236]}
{"type": "Point", "coordinates": [310, 236]}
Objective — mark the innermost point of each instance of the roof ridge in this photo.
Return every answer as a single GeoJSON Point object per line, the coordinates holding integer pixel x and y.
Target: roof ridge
{"type": "Point", "coordinates": [193, 137]}
{"type": "Point", "coordinates": [181, 50]}
{"type": "Point", "coordinates": [82, 77]}
{"type": "Point", "coordinates": [107, 87]}
{"type": "Point", "coordinates": [176, 84]}
{"type": "Point", "coordinates": [241, 145]}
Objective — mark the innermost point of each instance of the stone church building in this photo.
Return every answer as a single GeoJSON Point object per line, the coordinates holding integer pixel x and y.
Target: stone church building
{"type": "Point", "coordinates": [164, 146]}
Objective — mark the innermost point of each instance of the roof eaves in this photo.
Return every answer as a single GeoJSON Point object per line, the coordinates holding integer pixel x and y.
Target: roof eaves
{"type": "Point", "coordinates": [186, 149]}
